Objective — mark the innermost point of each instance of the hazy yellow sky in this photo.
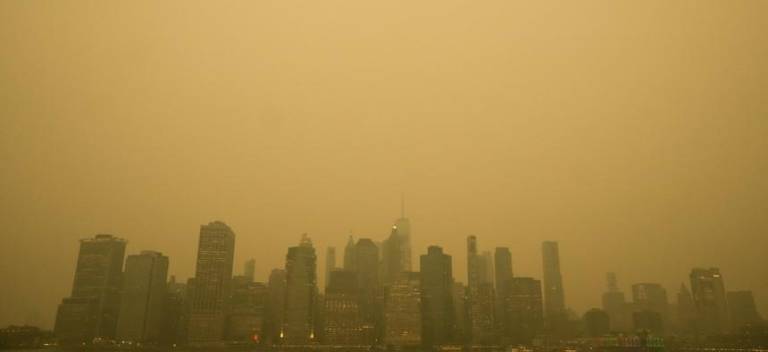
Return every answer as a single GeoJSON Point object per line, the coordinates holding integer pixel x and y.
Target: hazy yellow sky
{"type": "Point", "coordinates": [634, 132]}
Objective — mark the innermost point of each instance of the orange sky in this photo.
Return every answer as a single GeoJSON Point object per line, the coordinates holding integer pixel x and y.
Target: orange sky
{"type": "Point", "coordinates": [635, 133]}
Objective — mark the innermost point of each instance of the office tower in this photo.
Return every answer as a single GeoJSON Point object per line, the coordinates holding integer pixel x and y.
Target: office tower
{"type": "Point", "coordinates": [92, 309]}
{"type": "Point", "coordinates": [143, 299]}
{"type": "Point", "coordinates": [523, 311]}
{"type": "Point", "coordinates": [486, 267]}
{"type": "Point", "coordinates": [460, 317]}
{"type": "Point", "coordinates": [300, 294]}
{"type": "Point", "coordinates": [437, 297]}
{"type": "Point", "coordinates": [743, 312]}
{"type": "Point", "coordinates": [366, 258]}
{"type": "Point", "coordinates": [686, 310]}
{"type": "Point", "coordinates": [653, 297]}
{"type": "Point", "coordinates": [249, 270]}
{"type": "Point", "coordinates": [554, 297]}
{"type": "Point", "coordinates": [247, 310]}
{"type": "Point", "coordinates": [402, 311]}
{"type": "Point", "coordinates": [709, 299]}
{"type": "Point", "coordinates": [276, 306]}
{"type": "Point", "coordinates": [615, 305]}
{"type": "Point", "coordinates": [648, 320]}
{"type": "Point", "coordinates": [596, 322]}
{"type": "Point", "coordinates": [173, 330]}
{"type": "Point", "coordinates": [212, 283]}
{"type": "Point", "coordinates": [392, 256]}
{"type": "Point", "coordinates": [480, 300]}
{"type": "Point", "coordinates": [349, 255]}
{"type": "Point", "coordinates": [343, 319]}
{"type": "Point", "coordinates": [502, 266]}
{"type": "Point", "coordinates": [330, 263]}
{"type": "Point", "coordinates": [403, 226]}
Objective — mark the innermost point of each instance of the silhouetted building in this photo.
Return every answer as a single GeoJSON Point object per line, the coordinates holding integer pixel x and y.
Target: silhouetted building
{"type": "Point", "coordinates": [653, 297]}
{"type": "Point", "coordinates": [486, 267]}
{"type": "Point", "coordinates": [330, 264]}
{"type": "Point", "coordinates": [402, 311]}
{"type": "Point", "coordinates": [648, 320]}
{"type": "Point", "coordinates": [343, 319]}
{"type": "Point", "coordinates": [392, 256]}
{"type": "Point", "coordinates": [366, 258]}
{"type": "Point", "coordinates": [247, 310]}
{"type": "Point", "coordinates": [523, 311]}
{"type": "Point", "coordinates": [349, 255]}
{"type": "Point", "coordinates": [300, 294]}
{"type": "Point", "coordinates": [743, 311]}
{"type": "Point", "coordinates": [173, 330]}
{"type": "Point", "coordinates": [92, 309]}
{"type": "Point", "coordinates": [249, 270]}
{"type": "Point", "coordinates": [144, 291]}
{"type": "Point", "coordinates": [24, 337]}
{"type": "Point", "coordinates": [403, 226]}
{"type": "Point", "coordinates": [503, 266]}
{"type": "Point", "coordinates": [437, 297]}
{"type": "Point", "coordinates": [276, 306]}
{"type": "Point", "coordinates": [212, 284]}
{"type": "Point", "coordinates": [480, 298]}
{"type": "Point", "coordinates": [709, 299]}
{"type": "Point", "coordinates": [461, 320]}
{"type": "Point", "coordinates": [686, 311]}
{"type": "Point", "coordinates": [554, 296]}
{"type": "Point", "coordinates": [597, 322]}
{"type": "Point", "coordinates": [616, 306]}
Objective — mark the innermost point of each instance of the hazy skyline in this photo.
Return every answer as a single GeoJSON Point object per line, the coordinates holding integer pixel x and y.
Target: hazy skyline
{"type": "Point", "coordinates": [634, 133]}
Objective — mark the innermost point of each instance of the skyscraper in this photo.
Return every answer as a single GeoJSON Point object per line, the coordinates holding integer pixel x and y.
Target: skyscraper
{"type": "Point", "coordinates": [709, 299]}
{"type": "Point", "coordinates": [686, 310]}
{"type": "Point", "coordinates": [249, 270]}
{"type": "Point", "coordinates": [275, 309]}
{"type": "Point", "coordinates": [330, 264]}
{"type": "Point", "coordinates": [143, 299]}
{"type": "Point", "coordinates": [503, 266]}
{"type": "Point", "coordinates": [349, 255]}
{"type": "Point", "coordinates": [402, 311]}
{"type": "Point", "coordinates": [437, 297]}
{"type": "Point", "coordinates": [486, 267]}
{"type": "Point", "coordinates": [652, 297]}
{"type": "Point", "coordinates": [300, 294]}
{"type": "Point", "coordinates": [554, 297]}
{"type": "Point", "coordinates": [461, 320]}
{"type": "Point", "coordinates": [247, 310]}
{"type": "Point", "coordinates": [596, 322]}
{"type": "Point", "coordinates": [212, 284]}
{"type": "Point", "coordinates": [480, 298]}
{"type": "Point", "coordinates": [393, 256]}
{"type": "Point", "coordinates": [403, 226]}
{"type": "Point", "coordinates": [742, 309]}
{"type": "Point", "coordinates": [366, 258]}
{"type": "Point", "coordinates": [343, 319]}
{"type": "Point", "coordinates": [523, 316]}
{"type": "Point", "coordinates": [615, 304]}
{"type": "Point", "coordinates": [93, 307]}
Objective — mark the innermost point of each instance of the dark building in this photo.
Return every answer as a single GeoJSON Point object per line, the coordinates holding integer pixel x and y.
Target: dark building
{"type": "Point", "coordinates": [402, 311]}
{"type": "Point", "coordinates": [275, 308]}
{"type": "Point", "coordinates": [743, 311]}
{"type": "Point", "coordinates": [392, 256]}
{"type": "Point", "coordinates": [142, 307]}
{"type": "Point", "coordinates": [523, 311]}
{"type": "Point", "coordinates": [686, 311]}
{"type": "Point", "coordinates": [330, 264]}
{"type": "Point", "coordinates": [173, 330]}
{"type": "Point", "coordinates": [616, 306]}
{"type": "Point", "coordinates": [503, 266]}
{"type": "Point", "coordinates": [343, 318]}
{"type": "Point", "coordinates": [300, 294]}
{"type": "Point", "coordinates": [709, 299]}
{"type": "Point", "coordinates": [554, 296]}
{"type": "Point", "coordinates": [653, 297]}
{"type": "Point", "coordinates": [648, 320]}
{"type": "Point", "coordinates": [366, 258]}
{"type": "Point", "coordinates": [460, 318]}
{"type": "Point", "coordinates": [249, 270]}
{"type": "Point", "coordinates": [597, 322]}
{"type": "Point", "coordinates": [349, 255]}
{"type": "Point", "coordinates": [24, 337]}
{"type": "Point", "coordinates": [403, 226]}
{"type": "Point", "coordinates": [247, 310]}
{"type": "Point", "coordinates": [480, 298]}
{"type": "Point", "coordinates": [93, 307]}
{"type": "Point", "coordinates": [437, 297]}
{"type": "Point", "coordinates": [212, 284]}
